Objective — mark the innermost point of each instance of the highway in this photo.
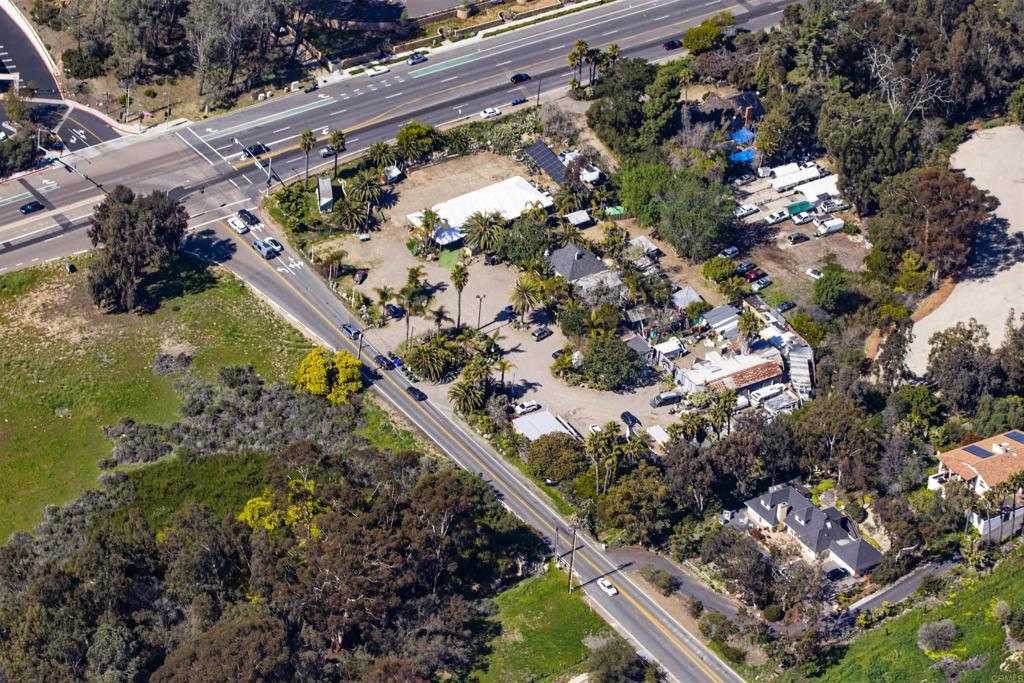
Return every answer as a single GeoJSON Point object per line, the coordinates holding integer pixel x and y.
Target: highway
{"type": "Point", "coordinates": [199, 163]}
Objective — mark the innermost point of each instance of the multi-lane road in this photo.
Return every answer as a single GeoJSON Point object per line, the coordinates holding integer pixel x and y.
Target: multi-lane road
{"type": "Point", "coordinates": [201, 164]}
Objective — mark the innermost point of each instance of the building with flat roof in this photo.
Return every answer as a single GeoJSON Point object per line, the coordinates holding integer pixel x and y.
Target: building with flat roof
{"type": "Point", "coordinates": [742, 373]}
{"type": "Point", "coordinates": [535, 425]}
{"type": "Point", "coordinates": [510, 198]}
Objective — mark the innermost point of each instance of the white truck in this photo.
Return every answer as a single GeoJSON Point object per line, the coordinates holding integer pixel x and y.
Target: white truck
{"type": "Point", "coordinates": [828, 225]}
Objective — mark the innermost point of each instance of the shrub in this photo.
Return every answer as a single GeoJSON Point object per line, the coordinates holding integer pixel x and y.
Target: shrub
{"type": "Point", "coordinates": [1015, 624]}
{"type": "Point", "coordinates": [86, 62]}
{"type": "Point", "coordinates": [149, 92]}
{"type": "Point", "coordinates": [695, 607]}
{"type": "Point", "coordinates": [666, 583]}
{"type": "Point", "coordinates": [732, 653]}
{"type": "Point", "coordinates": [1001, 611]}
{"type": "Point", "coordinates": [856, 512]}
{"type": "Point", "coordinates": [932, 585]}
{"type": "Point", "coordinates": [718, 269]}
{"type": "Point", "coordinates": [936, 636]}
{"type": "Point", "coordinates": [772, 613]}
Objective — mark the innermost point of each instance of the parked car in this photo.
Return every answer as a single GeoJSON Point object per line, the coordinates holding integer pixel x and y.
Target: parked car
{"type": "Point", "coordinates": [416, 58]}
{"type": "Point", "coordinates": [31, 207]}
{"type": "Point", "coordinates": [785, 306]}
{"type": "Point", "coordinates": [249, 217]}
{"type": "Point", "coordinates": [541, 333]}
{"type": "Point", "coordinates": [558, 353]}
{"type": "Point", "coordinates": [393, 311]}
{"type": "Point", "coordinates": [744, 266]}
{"type": "Point", "coordinates": [326, 151]}
{"type": "Point", "coordinates": [673, 44]}
{"type": "Point", "coordinates": [744, 179]}
{"type": "Point", "coordinates": [666, 398]}
{"type": "Point", "coordinates": [525, 407]}
{"type": "Point", "coordinates": [519, 100]}
{"type": "Point", "coordinates": [359, 277]}
{"type": "Point", "coordinates": [415, 394]}
{"type": "Point", "coordinates": [837, 574]}
{"type": "Point", "coordinates": [383, 362]}
{"type": "Point", "coordinates": [833, 205]}
{"type": "Point", "coordinates": [755, 274]}
{"type": "Point", "coordinates": [745, 210]}
{"type": "Point", "coordinates": [814, 273]}
{"type": "Point", "coordinates": [519, 78]}
{"type": "Point", "coordinates": [797, 238]}
{"type": "Point", "coordinates": [378, 70]}
{"type": "Point", "coordinates": [729, 252]}
{"type": "Point", "coordinates": [777, 217]}
{"type": "Point", "coordinates": [606, 585]}
{"type": "Point", "coordinates": [273, 244]}
{"type": "Point", "coordinates": [828, 225]}
{"type": "Point", "coordinates": [351, 331]}
{"type": "Point", "coordinates": [803, 217]}
{"type": "Point", "coordinates": [595, 429]}
{"type": "Point", "coordinates": [761, 284]}
{"type": "Point", "coordinates": [393, 357]}
{"type": "Point", "coordinates": [629, 419]}
{"type": "Point", "coordinates": [312, 87]}
{"type": "Point", "coordinates": [264, 249]}
{"type": "Point", "coordinates": [238, 225]}
{"type": "Point", "coordinates": [490, 113]}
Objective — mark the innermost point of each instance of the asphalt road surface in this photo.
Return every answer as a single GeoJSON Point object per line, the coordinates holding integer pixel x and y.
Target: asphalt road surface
{"type": "Point", "coordinates": [201, 165]}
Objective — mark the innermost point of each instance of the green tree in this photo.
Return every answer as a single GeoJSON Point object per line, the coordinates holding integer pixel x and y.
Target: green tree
{"type": "Point", "coordinates": [525, 296]}
{"type": "Point", "coordinates": [16, 106]}
{"type": "Point", "coordinates": [382, 155]}
{"type": "Point", "coordinates": [718, 269]}
{"type": "Point", "coordinates": [337, 142]}
{"type": "Point", "coordinates": [613, 661]}
{"type": "Point", "coordinates": [366, 188]}
{"type": "Point", "coordinates": [139, 234]}
{"type": "Point", "coordinates": [696, 216]}
{"type": "Point", "coordinates": [466, 397]}
{"type": "Point", "coordinates": [609, 364]}
{"type": "Point", "coordinates": [307, 140]}
{"type": "Point", "coordinates": [557, 457]}
{"type": "Point", "coordinates": [460, 278]}
{"type": "Point", "coordinates": [963, 366]}
{"type": "Point", "coordinates": [313, 373]}
{"type": "Point", "coordinates": [637, 504]}
{"type": "Point", "coordinates": [640, 186]}
{"type": "Point", "coordinates": [346, 377]}
{"type": "Point", "coordinates": [831, 289]}
{"type": "Point", "coordinates": [749, 327]}
{"type": "Point", "coordinates": [705, 36]}
{"type": "Point", "coordinates": [416, 140]}
{"type": "Point", "coordinates": [483, 230]}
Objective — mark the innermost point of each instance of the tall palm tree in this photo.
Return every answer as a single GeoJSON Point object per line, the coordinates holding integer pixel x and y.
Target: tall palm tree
{"type": "Point", "coordinates": [466, 397]}
{"type": "Point", "coordinates": [525, 296]}
{"type": "Point", "coordinates": [503, 365]}
{"type": "Point", "coordinates": [576, 57]}
{"type": "Point", "coordinates": [414, 278]}
{"type": "Point", "coordinates": [429, 222]}
{"type": "Point", "coordinates": [593, 58]}
{"type": "Point", "coordinates": [410, 299]}
{"type": "Point", "coordinates": [384, 296]}
{"type": "Point", "coordinates": [440, 316]}
{"type": "Point", "coordinates": [600, 196]}
{"type": "Point", "coordinates": [689, 426]}
{"type": "Point", "coordinates": [367, 189]}
{"type": "Point", "coordinates": [347, 214]}
{"type": "Point", "coordinates": [749, 326]}
{"type": "Point", "coordinates": [381, 154]}
{"type": "Point", "coordinates": [306, 143]}
{"type": "Point", "coordinates": [568, 233]}
{"type": "Point", "coordinates": [482, 229]}
{"type": "Point", "coordinates": [612, 55]}
{"type": "Point", "coordinates": [569, 198]}
{"type": "Point", "coordinates": [337, 142]}
{"type": "Point", "coordinates": [477, 370]}
{"type": "Point", "coordinates": [460, 278]}
{"type": "Point", "coordinates": [536, 211]}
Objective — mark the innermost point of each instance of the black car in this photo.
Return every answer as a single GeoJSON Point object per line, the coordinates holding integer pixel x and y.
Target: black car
{"type": "Point", "coordinates": [312, 87]}
{"type": "Point", "coordinates": [415, 394]}
{"type": "Point", "coordinates": [559, 353]}
{"type": "Point", "coordinates": [254, 150]}
{"type": "Point", "coordinates": [519, 78]}
{"type": "Point", "coordinates": [837, 574]}
{"type": "Point", "coordinates": [248, 216]}
{"type": "Point", "coordinates": [31, 207]}
{"type": "Point", "coordinates": [360, 276]}
{"type": "Point", "coordinates": [797, 238]}
{"type": "Point", "coordinates": [629, 419]}
{"type": "Point", "coordinates": [672, 44]}
{"type": "Point", "coordinates": [785, 306]}
{"type": "Point", "coordinates": [393, 311]}
{"type": "Point", "coordinates": [383, 362]}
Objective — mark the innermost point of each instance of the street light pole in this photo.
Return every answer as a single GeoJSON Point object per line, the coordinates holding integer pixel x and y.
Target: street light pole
{"type": "Point", "coordinates": [572, 556]}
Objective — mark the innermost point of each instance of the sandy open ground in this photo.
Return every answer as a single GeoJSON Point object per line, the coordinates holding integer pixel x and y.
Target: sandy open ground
{"type": "Point", "coordinates": [995, 282]}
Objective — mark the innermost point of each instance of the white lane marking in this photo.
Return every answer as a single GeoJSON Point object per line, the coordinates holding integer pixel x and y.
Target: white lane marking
{"type": "Point", "coordinates": [664, 16]}
{"type": "Point", "coordinates": [247, 180]}
{"type": "Point", "coordinates": [713, 2]}
{"type": "Point", "coordinates": [459, 107]}
{"type": "Point", "coordinates": [353, 140]}
{"type": "Point", "coordinates": [452, 78]}
{"type": "Point", "coordinates": [193, 148]}
{"type": "Point", "coordinates": [196, 136]}
{"type": "Point", "coordinates": [35, 259]}
{"type": "Point", "coordinates": [397, 94]}
{"type": "Point", "coordinates": [609, 33]}
{"type": "Point", "coordinates": [280, 130]}
{"type": "Point", "coordinates": [557, 47]}
{"type": "Point", "coordinates": [500, 64]}
{"type": "Point", "coordinates": [277, 142]}
{"type": "Point", "coordinates": [232, 181]}
{"type": "Point", "coordinates": [201, 213]}
{"type": "Point", "coordinates": [79, 252]}
{"type": "Point", "coordinates": [340, 111]}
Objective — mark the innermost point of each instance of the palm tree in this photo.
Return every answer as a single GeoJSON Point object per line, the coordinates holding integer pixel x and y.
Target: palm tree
{"type": "Point", "coordinates": [337, 142]}
{"type": "Point", "coordinates": [600, 196]}
{"type": "Point", "coordinates": [384, 295]}
{"type": "Point", "coordinates": [612, 55]}
{"type": "Point", "coordinates": [334, 261]}
{"type": "Point", "coordinates": [456, 141]}
{"type": "Point", "coordinates": [381, 154]}
{"type": "Point", "coordinates": [306, 143]}
{"type": "Point", "coordinates": [576, 57]}
{"type": "Point", "coordinates": [503, 365]}
{"type": "Point", "coordinates": [593, 58]}
{"type": "Point", "coordinates": [347, 214]}
{"type": "Point", "coordinates": [414, 278]}
{"type": "Point", "coordinates": [685, 80]}
{"type": "Point", "coordinates": [367, 189]}
{"type": "Point", "coordinates": [409, 298]}
{"type": "Point", "coordinates": [477, 370]}
{"type": "Point", "coordinates": [749, 326]}
{"type": "Point", "coordinates": [568, 199]}
{"type": "Point", "coordinates": [429, 359]}
{"type": "Point", "coordinates": [440, 316]}
{"type": "Point", "coordinates": [466, 397]}
{"type": "Point", "coordinates": [483, 229]}
{"type": "Point", "coordinates": [568, 233]}
{"type": "Point", "coordinates": [535, 211]}
{"type": "Point", "coordinates": [525, 296]}
{"type": "Point", "coordinates": [689, 426]}
{"type": "Point", "coordinates": [429, 221]}
{"type": "Point", "coordinates": [460, 278]}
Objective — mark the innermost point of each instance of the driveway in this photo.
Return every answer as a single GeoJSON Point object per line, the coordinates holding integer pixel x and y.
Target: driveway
{"type": "Point", "coordinates": [994, 282]}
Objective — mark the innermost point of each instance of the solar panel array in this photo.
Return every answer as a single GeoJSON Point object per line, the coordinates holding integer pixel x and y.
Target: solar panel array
{"type": "Point", "coordinates": [1016, 436]}
{"type": "Point", "coordinates": [547, 160]}
{"type": "Point", "coordinates": [978, 451]}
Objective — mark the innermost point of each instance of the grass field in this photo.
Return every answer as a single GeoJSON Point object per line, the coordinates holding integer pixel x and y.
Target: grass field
{"type": "Point", "coordinates": [889, 652]}
{"type": "Point", "coordinates": [542, 632]}
{"type": "Point", "coordinates": [67, 370]}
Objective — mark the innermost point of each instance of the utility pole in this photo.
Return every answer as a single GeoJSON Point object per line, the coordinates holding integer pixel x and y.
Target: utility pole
{"type": "Point", "coordinates": [572, 556]}
{"type": "Point", "coordinates": [359, 353]}
{"type": "Point", "coordinates": [167, 114]}
{"type": "Point", "coordinates": [127, 99]}
{"type": "Point", "coordinates": [540, 80]}
{"type": "Point", "coordinates": [557, 529]}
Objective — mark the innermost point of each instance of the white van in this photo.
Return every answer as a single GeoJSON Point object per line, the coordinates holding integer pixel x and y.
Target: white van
{"type": "Point", "coordinates": [764, 393]}
{"type": "Point", "coordinates": [828, 225]}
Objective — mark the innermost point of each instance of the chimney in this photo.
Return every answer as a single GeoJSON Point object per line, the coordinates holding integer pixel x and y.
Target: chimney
{"type": "Point", "coordinates": [748, 115]}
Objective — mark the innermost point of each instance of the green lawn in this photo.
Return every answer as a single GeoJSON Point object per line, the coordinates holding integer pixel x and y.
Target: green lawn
{"type": "Point", "coordinates": [542, 628]}
{"type": "Point", "coordinates": [67, 370]}
{"type": "Point", "coordinates": [889, 652]}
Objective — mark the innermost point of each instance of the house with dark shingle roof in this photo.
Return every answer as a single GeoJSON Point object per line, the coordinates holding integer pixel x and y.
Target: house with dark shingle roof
{"type": "Point", "coordinates": [575, 263]}
{"type": "Point", "coordinates": [818, 531]}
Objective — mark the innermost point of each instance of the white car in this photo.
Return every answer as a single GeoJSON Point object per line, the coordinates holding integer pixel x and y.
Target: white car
{"type": "Point", "coordinates": [416, 58]}
{"type": "Point", "coordinates": [525, 407]}
{"type": "Point", "coordinates": [777, 217]}
{"type": "Point", "coordinates": [238, 225]}
{"type": "Point", "coordinates": [761, 284]}
{"type": "Point", "coordinates": [273, 244]}
{"type": "Point", "coordinates": [814, 273]}
{"type": "Point", "coordinates": [377, 70]}
{"type": "Point", "coordinates": [745, 210]}
{"type": "Point", "coordinates": [729, 252]}
{"type": "Point", "coordinates": [490, 113]}
{"type": "Point", "coordinates": [595, 429]}
{"type": "Point", "coordinates": [606, 585]}
{"type": "Point", "coordinates": [833, 205]}
{"type": "Point", "coordinates": [803, 217]}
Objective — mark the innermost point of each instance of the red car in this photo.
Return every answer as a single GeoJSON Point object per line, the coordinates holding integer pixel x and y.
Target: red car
{"type": "Point", "coordinates": [754, 274]}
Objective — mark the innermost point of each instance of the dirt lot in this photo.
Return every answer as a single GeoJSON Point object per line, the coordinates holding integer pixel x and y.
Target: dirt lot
{"type": "Point", "coordinates": [785, 263]}
{"type": "Point", "coordinates": [995, 281]}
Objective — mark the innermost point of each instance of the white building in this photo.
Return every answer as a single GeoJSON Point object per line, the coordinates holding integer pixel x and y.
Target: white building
{"type": "Point", "coordinates": [802, 175]}
{"type": "Point", "coordinates": [741, 373]}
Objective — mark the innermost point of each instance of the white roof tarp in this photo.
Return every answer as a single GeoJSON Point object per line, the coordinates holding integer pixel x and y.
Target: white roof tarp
{"type": "Point", "coordinates": [822, 188]}
{"type": "Point", "coordinates": [535, 425]}
{"type": "Point", "coordinates": [791, 180]}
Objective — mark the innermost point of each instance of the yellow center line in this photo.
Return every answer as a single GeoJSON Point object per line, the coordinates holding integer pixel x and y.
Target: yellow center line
{"type": "Point", "coordinates": [682, 647]}
{"type": "Point", "coordinates": [388, 112]}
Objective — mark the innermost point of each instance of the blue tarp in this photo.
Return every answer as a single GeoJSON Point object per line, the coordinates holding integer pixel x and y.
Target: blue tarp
{"type": "Point", "coordinates": [743, 157]}
{"type": "Point", "coordinates": [743, 136]}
